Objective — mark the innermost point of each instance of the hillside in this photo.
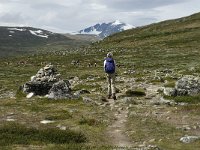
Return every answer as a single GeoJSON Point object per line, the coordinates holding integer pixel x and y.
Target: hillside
{"type": "Point", "coordinates": [178, 33]}
{"type": "Point", "coordinates": [169, 44]}
{"type": "Point", "coordinates": [25, 40]}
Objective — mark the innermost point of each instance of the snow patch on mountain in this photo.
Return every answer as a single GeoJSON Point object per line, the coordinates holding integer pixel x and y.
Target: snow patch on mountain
{"type": "Point", "coordinates": [116, 22]}
{"type": "Point", "coordinates": [39, 33]}
{"type": "Point", "coordinates": [35, 32]}
{"type": "Point", "coordinates": [17, 29]}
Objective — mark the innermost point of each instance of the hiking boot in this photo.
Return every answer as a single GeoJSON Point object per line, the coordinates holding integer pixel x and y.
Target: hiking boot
{"type": "Point", "coordinates": [114, 97]}
{"type": "Point", "coordinates": [109, 96]}
{"type": "Point", "coordinates": [104, 99]}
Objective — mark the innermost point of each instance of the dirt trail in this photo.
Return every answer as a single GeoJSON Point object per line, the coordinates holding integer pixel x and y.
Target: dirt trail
{"type": "Point", "coordinates": [116, 131]}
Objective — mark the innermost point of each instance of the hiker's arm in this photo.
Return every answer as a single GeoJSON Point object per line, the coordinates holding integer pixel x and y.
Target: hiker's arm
{"type": "Point", "coordinates": [104, 64]}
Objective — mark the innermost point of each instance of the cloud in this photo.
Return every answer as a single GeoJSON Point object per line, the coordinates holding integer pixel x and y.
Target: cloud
{"type": "Point", "coordinates": [73, 15]}
{"type": "Point", "coordinates": [12, 18]}
{"type": "Point", "coordinates": [138, 4]}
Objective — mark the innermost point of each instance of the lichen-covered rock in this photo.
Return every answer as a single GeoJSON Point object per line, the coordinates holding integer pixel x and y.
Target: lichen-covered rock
{"type": "Point", "coordinates": [170, 91]}
{"type": "Point", "coordinates": [188, 85]}
{"type": "Point", "coordinates": [60, 90]}
{"type": "Point", "coordinates": [189, 139]}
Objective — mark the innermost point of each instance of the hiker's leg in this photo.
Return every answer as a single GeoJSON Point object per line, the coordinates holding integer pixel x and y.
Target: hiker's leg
{"type": "Point", "coordinates": [113, 84]}
{"type": "Point", "coordinates": [109, 85]}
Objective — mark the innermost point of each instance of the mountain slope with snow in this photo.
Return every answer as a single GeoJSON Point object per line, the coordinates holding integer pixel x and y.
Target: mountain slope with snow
{"type": "Point", "coordinates": [23, 40]}
{"type": "Point", "coordinates": [105, 29]}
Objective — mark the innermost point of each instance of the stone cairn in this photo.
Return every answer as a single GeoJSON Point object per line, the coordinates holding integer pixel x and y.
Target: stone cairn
{"type": "Point", "coordinates": [47, 82]}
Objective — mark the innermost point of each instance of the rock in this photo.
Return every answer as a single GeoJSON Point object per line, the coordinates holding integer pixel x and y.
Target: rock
{"type": "Point", "coordinates": [60, 90]}
{"type": "Point", "coordinates": [30, 95]}
{"type": "Point", "coordinates": [169, 91]}
{"type": "Point", "coordinates": [152, 140]}
{"type": "Point", "coordinates": [33, 78]}
{"type": "Point", "coordinates": [87, 100]}
{"type": "Point", "coordinates": [46, 121]}
{"type": "Point", "coordinates": [61, 127]}
{"type": "Point", "coordinates": [10, 119]}
{"type": "Point", "coordinates": [162, 101]}
{"type": "Point", "coordinates": [189, 139]}
{"type": "Point", "coordinates": [188, 85]}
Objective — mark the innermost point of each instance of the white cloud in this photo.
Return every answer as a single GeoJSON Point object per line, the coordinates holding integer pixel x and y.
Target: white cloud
{"type": "Point", "coordinates": [73, 15]}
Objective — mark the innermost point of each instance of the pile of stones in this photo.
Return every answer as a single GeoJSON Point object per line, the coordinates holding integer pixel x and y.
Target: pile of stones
{"type": "Point", "coordinates": [47, 82]}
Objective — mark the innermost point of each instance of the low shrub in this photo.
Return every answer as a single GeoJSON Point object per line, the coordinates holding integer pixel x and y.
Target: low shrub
{"type": "Point", "coordinates": [137, 92]}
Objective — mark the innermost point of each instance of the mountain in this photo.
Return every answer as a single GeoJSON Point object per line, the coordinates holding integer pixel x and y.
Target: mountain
{"type": "Point", "coordinates": [23, 40]}
{"type": "Point", "coordinates": [105, 29]}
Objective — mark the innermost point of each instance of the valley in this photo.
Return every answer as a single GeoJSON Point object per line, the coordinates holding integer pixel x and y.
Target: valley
{"type": "Point", "coordinates": [149, 60]}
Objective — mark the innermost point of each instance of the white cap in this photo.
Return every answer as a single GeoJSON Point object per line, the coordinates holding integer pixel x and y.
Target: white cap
{"type": "Point", "coordinates": [109, 54]}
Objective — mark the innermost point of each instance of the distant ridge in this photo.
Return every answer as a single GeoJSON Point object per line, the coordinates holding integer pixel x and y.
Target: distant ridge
{"type": "Point", "coordinates": [25, 40]}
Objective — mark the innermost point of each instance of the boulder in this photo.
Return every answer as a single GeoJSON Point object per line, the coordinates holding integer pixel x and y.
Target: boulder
{"type": "Point", "coordinates": [189, 139]}
{"type": "Point", "coordinates": [60, 90]}
{"type": "Point", "coordinates": [188, 85]}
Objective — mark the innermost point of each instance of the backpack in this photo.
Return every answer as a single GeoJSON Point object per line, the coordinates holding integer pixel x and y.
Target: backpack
{"type": "Point", "coordinates": [110, 65]}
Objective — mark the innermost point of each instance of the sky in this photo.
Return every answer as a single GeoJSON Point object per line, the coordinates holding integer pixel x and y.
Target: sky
{"type": "Point", "coordinates": [65, 16]}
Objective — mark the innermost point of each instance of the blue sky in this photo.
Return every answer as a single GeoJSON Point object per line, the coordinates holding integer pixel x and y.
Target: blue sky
{"type": "Point", "coordinates": [72, 15]}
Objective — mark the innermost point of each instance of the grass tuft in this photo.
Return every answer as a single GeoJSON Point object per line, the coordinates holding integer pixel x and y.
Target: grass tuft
{"type": "Point", "coordinates": [88, 121]}
{"type": "Point", "coordinates": [137, 92]}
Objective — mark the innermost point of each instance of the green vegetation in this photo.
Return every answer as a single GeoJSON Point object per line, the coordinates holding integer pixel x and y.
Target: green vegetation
{"type": "Point", "coordinates": [88, 121]}
{"type": "Point", "coordinates": [150, 128]}
{"type": "Point", "coordinates": [186, 99]}
{"type": "Point", "coordinates": [170, 44]}
{"type": "Point", "coordinates": [19, 134]}
{"type": "Point", "coordinates": [136, 92]}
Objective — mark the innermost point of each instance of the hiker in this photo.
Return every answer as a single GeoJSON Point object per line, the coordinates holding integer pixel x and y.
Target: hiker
{"type": "Point", "coordinates": [109, 68]}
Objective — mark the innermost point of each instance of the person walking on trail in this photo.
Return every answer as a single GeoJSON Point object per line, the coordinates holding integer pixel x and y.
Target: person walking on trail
{"type": "Point", "coordinates": [109, 68]}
